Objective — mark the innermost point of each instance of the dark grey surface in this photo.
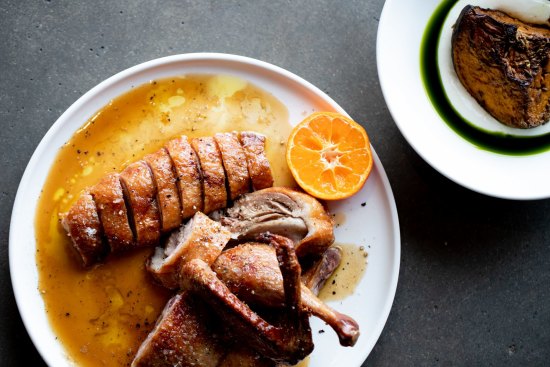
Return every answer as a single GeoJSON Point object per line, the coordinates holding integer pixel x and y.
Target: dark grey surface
{"type": "Point", "coordinates": [475, 271]}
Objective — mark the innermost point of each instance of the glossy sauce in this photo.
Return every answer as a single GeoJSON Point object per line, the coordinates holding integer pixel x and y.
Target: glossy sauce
{"type": "Point", "coordinates": [303, 363]}
{"type": "Point", "coordinates": [102, 315]}
{"type": "Point", "coordinates": [344, 280]}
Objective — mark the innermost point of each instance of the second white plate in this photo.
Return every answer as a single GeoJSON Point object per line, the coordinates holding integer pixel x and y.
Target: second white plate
{"type": "Point", "coordinates": [400, 35]}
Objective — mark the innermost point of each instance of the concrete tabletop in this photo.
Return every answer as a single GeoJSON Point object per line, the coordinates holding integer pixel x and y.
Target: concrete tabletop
{"type": "Point", "coordinates": [474, 285]}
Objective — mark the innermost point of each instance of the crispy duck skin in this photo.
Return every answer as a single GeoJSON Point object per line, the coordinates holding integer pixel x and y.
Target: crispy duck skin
{"type": "Point", "coordinates": [183, 336]}
{"type": "Point", "coordinates": [188, 175]}
{"type": "Point", "coordinates": [258, 165]}
{"type": "Point", "coordinates": [504, 64]}
{"type": "Point", "coordinates": [233, 157]}
{"type": "Point", "coordinates": [282, 211]}
{"type": "Point", "coordinates": [286, 339]}
{"type": "Point", "coordinates": [168, 199]}
{"type": "Point", "coordinates": [109, 199]}
{"type": "Point", "coordinates": [201, 238]}
{"type": "Point", "coordinates": [139, 191]}
{"type": "Point", "coordinates": [198, 278]}
{"type": "Point", "coordinates": [212, 173]}
{"type": "Point", "coordinates": [251, 272]}
{"type": "Point", "coordinates": [84, 228]}
{"type": "Point", "coordinates": [245, 357]}
{"type": "Point", "coordinates": [153, 196]}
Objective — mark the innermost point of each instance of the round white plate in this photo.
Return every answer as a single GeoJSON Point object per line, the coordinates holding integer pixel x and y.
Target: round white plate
{"type": "Point", "coordinates": [400, 33]}
{"type": "Point", "coordinates": [374, 224]}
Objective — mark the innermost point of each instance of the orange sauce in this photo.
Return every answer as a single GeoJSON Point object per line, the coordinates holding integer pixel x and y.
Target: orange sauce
{"type": "Point", "coordinates": [303, 363]}
{"type": "Point", "coordinates": [102, 315]}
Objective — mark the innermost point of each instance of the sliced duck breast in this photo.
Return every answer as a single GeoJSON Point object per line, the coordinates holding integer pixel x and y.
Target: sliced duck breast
{"type": "Point", "coordinates": [84, 228]}
{"type": "Point", "coordinates": [157, 194]}
{"type": "Point", "coordinates": [234, 163]}
{"type": "Point", "coordinates": [212, 172]}
{"type": "Point", "coordinates": [109, 199]}
{"type": "Point", "coordinates": [139, 191]}
{"type": "Point", "coordinates": [258, 165]}
{"type": "Point", "coordinates": [186, 164]}
{"type": "Point", "coordinates": [168, 198]}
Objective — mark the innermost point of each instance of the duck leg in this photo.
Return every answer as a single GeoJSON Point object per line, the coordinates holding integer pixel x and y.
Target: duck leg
{"type": "Point", "coordinates": [251, 271]}
{"type": "Point", "coordinates": [287, 338]}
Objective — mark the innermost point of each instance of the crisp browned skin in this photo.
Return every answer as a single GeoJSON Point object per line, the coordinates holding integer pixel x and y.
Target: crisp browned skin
{"type": "Point", "coordinates": [288, 340]}
{"type": "Point", "coordinates": [258, 166]}
{"type": "Point", "coordinates": [283, 211]}
{"type": "Point", "coordinates": [321, 269]}
{"type": "Point", "coordinates": [251, 271]}
{"type": "Point", "coordinates": [139, 191]}
{"type": "Point", "coordinates": [504, 64]}
{"type": "Point", "coordinates": [168, 199]}
{"type": "Point", "coordinates": [201, 280]}
{"type": "Point", "coordinates": [213, 175]}
{"type": "Point", "coordinates": [257, 261]}
{"type": "Point", "coordinates": [234, 159]}
{"type": "Point", "coordinates": [155, 195]}
{"type": "Point", "coordinates": [186, 164]}
{"type": "Point", "coordinates": [109, 199]}
{"type": "Point", "coordinates": [244, 357]}
{"type": "Point", "coordinates": [182, 337]}
{"type": "Point", "coordinates": [84, 228]}
{"type": "Point", "coordinates": [201, 238]}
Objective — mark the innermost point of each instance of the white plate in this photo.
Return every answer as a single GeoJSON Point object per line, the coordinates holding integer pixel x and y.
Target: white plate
{"type": "Point", "coordinates": [375, 224]}
{"type": "Point", "coordinates": [402, 25]}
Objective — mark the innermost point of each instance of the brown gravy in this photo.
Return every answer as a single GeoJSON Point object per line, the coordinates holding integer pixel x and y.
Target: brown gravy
{"type": "Point", "coordinates": [102, 315]}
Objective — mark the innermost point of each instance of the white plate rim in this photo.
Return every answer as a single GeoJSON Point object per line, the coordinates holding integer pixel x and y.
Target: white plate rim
{"type": "Point", "coordinates": [15, 260]}
{"type": "Point", "coordinates": [477, 169]}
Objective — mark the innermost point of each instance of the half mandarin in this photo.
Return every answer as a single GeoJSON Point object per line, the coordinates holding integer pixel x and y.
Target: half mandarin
{"type": "Point", "coordinates": [329, 155]}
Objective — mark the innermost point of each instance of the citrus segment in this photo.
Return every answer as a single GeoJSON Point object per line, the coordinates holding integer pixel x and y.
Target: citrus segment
{"type": "Point", "coordinates": [329, 155]}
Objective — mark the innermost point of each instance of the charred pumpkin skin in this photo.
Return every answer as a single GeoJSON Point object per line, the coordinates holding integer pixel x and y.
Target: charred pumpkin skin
{"type": "Point", "coordinates": [504, 64]}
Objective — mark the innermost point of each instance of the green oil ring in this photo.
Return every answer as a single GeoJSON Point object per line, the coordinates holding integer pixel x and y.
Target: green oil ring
{"type": "Point", "coordinates": [501, 143]}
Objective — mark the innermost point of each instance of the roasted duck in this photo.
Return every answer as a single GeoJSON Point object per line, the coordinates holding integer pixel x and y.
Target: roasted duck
{"type": "Point", "coordinates": [201, 238]}
{"type": "Point", "coordinates": [283, 211]}
{"type": "Point", "coordinates": [155, 195]}
{"type": "Point", "coordinates": [207, 325]}
{"type": "Point", "coordinates": [184, 335]}
{"type": "Point", "coordinates": [236, 303]}
{"type": "Point", "coordinates": [251, 272]}
{"type": "Point", "coordinates": [287, 336]}
{"type": "Point", "coordinates": [233, 156]}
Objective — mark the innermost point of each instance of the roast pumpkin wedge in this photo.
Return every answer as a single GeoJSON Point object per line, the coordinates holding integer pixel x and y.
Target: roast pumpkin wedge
{"type": "Point", "coordinates": [504, 64]}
